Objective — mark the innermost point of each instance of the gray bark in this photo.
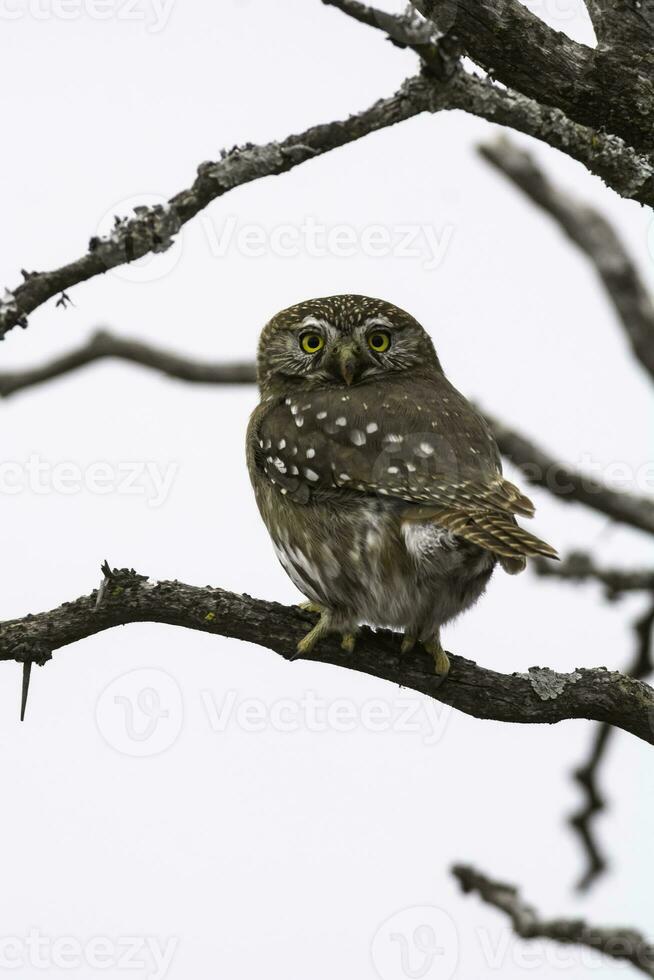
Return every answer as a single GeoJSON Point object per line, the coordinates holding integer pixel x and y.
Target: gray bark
{"type": "Point", "coordinates": [540, 696]}
{"type": "Point", "coordinates": [622, 944]}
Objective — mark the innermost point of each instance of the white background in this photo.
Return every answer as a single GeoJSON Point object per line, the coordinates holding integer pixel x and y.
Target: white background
{"type": "Point", "coordinates": [271, 853]}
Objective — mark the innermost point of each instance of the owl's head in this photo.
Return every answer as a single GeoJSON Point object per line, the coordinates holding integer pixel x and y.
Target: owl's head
{"type": "Point", "coordinates": [341, 340]}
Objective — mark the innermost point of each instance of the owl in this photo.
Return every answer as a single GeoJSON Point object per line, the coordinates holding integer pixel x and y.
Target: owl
{"type": "Point", "coordinates": [380, 485]}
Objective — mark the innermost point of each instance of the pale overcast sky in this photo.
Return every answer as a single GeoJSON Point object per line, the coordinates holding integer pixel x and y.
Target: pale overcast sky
{"type": "Point", "coordinates": [248, 831]}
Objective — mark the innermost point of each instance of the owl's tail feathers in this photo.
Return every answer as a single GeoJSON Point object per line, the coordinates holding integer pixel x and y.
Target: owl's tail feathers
{"type": "Point", "coordinates": [498, 533]}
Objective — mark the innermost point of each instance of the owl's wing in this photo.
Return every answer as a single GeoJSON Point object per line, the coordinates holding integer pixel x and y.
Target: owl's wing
{"type": "Point", "coordinates": [429, 451]}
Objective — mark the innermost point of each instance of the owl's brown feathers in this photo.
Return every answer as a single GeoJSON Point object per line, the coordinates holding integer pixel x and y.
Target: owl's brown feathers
{"type": "Point", "coordinates": [429, 449]}
{"type": "Point", "coordinates": [373, 473]}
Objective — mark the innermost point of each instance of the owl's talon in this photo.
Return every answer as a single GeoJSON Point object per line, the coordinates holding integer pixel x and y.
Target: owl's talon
{"type": "Point", "coordinates": [441, 659]}
{"type": "Point", "coordinates": [408, 642]}
{"type": "Point", "coordinates": [348, 642]}
{"type": "Point", "coordinates": [312, 607]}
{"type": "Point", "coordinates": [308, 642]}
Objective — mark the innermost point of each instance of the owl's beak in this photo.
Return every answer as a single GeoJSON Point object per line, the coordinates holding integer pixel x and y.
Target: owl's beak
{"type": "Point", "coordinates": [347, 363]}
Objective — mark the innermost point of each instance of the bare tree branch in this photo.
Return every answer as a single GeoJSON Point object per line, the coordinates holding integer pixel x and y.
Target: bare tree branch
{"type": "Point", "coordinates": [587, 776]}
{"type": "Point", "coordinates": [440, 55]}
{"type": "Point", "coordinates": [152, 229]}
{"type": "Point", "coordinates": [583, 819]}
{"type": "Point", "coordinates": [609, 87]}
{"type": "Point", "coordinates": [103, 345]}
{"type": "Point", "coordinates": [540, 696]}
{"type": "Point", "coordinates": [581, 567]}
{"type": "Point", "coordinates": [618, 24]}
{"type": "Point", "coordinates": [616, 943]}
{"type": "Point", "coordinates": [569, 485]}
{"type": "Point", "coordinates": [629, 173]}
{"type": "Point", "coordinates": [593, 234]}
{"type": "Point", "coordinates": [538, 467]}
{"type": "Point", "coordinates": [516, 46]}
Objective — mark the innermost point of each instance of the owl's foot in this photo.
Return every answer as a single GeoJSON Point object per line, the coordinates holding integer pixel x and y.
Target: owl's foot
{"type": "Point", "coordinates": [322, 628]}
{"type": "Point", "coordinates": [408, 642]}
{"type": "Point", "coordinates": [313, 607]}
{"type": "Point", "coordinates": [348, 642]}
{"type": "Point", "coordinates": [441, 659]}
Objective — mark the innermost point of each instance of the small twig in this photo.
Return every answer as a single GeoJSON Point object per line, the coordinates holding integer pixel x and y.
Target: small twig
{"type": "Point", "coordinates": [580, 567]}
{"type": "Point", "coordinates": [27, 672]}
{"type": "Point", "coordinates": [439, 54]}
{"type": "Point", "coordinates": [28, 650]}
{"type": "Point", "coordinates": [64, 301]}
{"type": "Point", "coordinates": [587, 776]}
{"type": "Point", "coordinates": [616, 943]}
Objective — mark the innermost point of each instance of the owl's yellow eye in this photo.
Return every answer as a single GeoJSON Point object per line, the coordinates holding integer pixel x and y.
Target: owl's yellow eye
{"type": "Point", "coordinates": [311, 343]}
{"type": "Point", "coordinates": [379, 341]}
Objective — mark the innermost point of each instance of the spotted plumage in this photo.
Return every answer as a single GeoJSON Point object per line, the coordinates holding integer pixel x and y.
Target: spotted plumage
{"type": "Point", "coordinates": [380, 485]}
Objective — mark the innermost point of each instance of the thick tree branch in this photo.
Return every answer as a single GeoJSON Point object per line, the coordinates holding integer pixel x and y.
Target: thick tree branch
{"type": "Point", "coordinates": [593, 234]}
{"type": "Point", "coordinates": [539, 468]}
{"type": "Point", "coordinates": [515, 45]}
{"type": "Point", "coordinates": [540, 696]}
{"type": "Point", "coordinates": [618, 944]}
{"type": "Point", "coordinates": [629, 173]}
{"type": "Point", "coordinates": [581, 567]}
{"type": "Point", "coordinates": [621, 25]}
{"type": "Point", "coordinates": [609, 87]}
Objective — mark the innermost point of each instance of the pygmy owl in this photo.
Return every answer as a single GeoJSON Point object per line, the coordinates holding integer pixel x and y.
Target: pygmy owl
{"type": "Point", "coordinates": [379, 483]}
